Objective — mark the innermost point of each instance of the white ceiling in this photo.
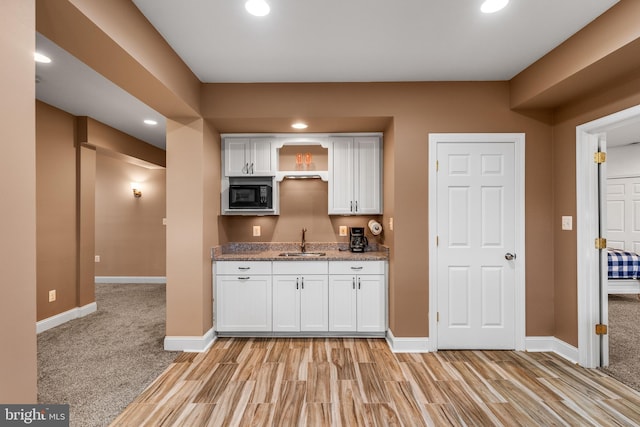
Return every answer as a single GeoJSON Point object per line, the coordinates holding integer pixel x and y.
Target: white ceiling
{"type": "Point", "coordinates": [324, 41]}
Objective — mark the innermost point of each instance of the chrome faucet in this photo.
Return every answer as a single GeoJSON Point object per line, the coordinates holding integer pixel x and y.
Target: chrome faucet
{"type": "Point", "coordinates": [303, 248]}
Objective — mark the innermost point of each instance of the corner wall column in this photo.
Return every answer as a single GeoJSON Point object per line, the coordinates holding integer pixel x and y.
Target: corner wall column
{"type": "Point", "coordinates": [190, 222]}
{"type": "Point", "coordinates": [18, 358]}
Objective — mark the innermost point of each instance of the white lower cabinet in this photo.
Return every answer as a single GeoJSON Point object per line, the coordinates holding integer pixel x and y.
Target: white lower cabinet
{"type": "Point", "coordinates": [243, 296]}
{"type": "Point", "coordinates": [357, 296]}
{"type": "Point", "coordinates": [300, 296]}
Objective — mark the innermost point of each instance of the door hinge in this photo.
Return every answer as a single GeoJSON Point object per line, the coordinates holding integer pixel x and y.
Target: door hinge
{"type": "Point", "coordinates": [600, 157]}
{"type": "Point", "coordinates": [601, 243]}
{"type": "Point", "coordinates": [601, 329]}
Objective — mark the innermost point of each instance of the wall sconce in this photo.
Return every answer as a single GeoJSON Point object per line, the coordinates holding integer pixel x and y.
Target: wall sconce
{"type": "Point", "coordinates": [137, 191]}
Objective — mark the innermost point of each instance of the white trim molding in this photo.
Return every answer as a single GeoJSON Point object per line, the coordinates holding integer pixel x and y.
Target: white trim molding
{"type": "Point", "coordinates": [554, 345]}
{"type": "Point", "coordinates": [64, 317]}
{"type": "Point", "coordinates": [407, 345]}
{"type": "Point", "coordinates": [131, 279]}
{"type": "Point", "coordinates": [190, 344]}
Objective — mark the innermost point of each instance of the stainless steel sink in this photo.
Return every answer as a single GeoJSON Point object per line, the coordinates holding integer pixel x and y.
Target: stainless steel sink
{"type": "Point", "coordinates": [303, 254]}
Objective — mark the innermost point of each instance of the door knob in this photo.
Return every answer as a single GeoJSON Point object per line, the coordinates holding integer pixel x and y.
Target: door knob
{"type": "Point", "coordinates": [509, 256]}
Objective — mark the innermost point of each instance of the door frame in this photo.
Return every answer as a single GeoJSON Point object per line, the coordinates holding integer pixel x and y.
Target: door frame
{"type": "Point", "coordinates": [518, 139]}
{"type": "Point", "coordinates": [589, 273]}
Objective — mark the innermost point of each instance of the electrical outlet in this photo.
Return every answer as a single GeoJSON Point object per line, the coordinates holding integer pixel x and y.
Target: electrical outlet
{"type": "Point", "coordinates": [343, 230]}
{"type": "Point", "coordinates": [52, 295]}
{"type": "Point", "coordinates": [567, 223]}
{"type": "Point", "coordinates": [391, 223]}
{"type": "Point", "coordinates": [97, 259]}
{"type": "Point", "coordinates": [164, 221]}
{"type": "Point", "coordinates": [256, 231]}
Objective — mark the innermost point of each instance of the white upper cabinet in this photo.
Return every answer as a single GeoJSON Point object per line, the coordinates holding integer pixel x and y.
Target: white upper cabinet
{"type": "Point", "coordinates": [248, 156]}
{"type": "Point", "coordinates": [355, 176]}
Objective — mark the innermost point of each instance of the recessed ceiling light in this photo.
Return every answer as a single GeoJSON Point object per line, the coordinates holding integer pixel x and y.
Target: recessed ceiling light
{"type": "Point", "coordinates": [257, 7]}
{"type": "Point", "coordinates": [150, 122]}
{"type": "Point", "coordinates": [491, 6]}
{"type": "Point", "coordinates": [299, 125]}
{"type": "Point", "coordinates": [41, 58]}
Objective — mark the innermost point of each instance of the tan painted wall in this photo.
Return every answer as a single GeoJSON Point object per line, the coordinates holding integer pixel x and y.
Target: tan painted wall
{"type": "Point", "coordinates": [130, 236]}
{"type": "Point", "coordinates": [56, 209]}
{"type": "Point", "coordinates": [18, 357]}
{"type": "Point", "coordinates": [417, 109]}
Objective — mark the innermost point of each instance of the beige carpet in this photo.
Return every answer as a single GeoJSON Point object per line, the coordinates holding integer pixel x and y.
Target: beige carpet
{"type": "Point", "coordinates": [624, 339]}
{"type": "Point", "coordinates": [98, 364]}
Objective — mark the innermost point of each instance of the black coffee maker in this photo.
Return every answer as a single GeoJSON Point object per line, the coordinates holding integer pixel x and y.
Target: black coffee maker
{"type": "Point", "coordinates": [357, 241]}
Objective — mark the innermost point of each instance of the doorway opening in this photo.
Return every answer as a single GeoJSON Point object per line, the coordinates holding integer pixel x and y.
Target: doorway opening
{"type": "Point", "coordinates": [591, 192]}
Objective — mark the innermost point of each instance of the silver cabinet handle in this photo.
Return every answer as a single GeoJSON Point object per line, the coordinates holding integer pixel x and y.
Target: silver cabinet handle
{"type": "Point", "coordinates": [357, 268]}
{"type": "Point", "coordinates": [244, 268]}
{"type": "Point", "coordinates": [351, 206]}
{"type": "Point", "coordinates": [297, 284]}
{"type": "Point", "coordinates": [302, 283]}
{"type": "Point", "coordinates": [251, 169]}
{"type": "Point", "coordinates": [244, 278]}
{"type": "Point", "coordinates": [358, 283]}
{"type": "Point", "coordinates": [509, 256]}
{"type": "Point", "coordinates": [356, 206]}
{"type": "Point", "coordinates": [353, 283]}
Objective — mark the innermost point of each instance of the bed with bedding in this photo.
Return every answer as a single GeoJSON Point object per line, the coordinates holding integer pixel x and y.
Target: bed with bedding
{"type": "Point", "coordinates": [623, 272]}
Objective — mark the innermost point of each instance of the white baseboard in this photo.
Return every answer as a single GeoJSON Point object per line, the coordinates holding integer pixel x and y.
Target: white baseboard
{"type": "Point", "coordinates": [552, 344]}
{"type": "Point", "coordinates": [131, 279]}
{"type": "Point", "coordinates": [64, 317]}
{"type": "Point", "coordinates": [421, 345]}
{"type": "Point", "coordinates": [191, 344]}
{"type": "Point", "coordinates": [407, 345]}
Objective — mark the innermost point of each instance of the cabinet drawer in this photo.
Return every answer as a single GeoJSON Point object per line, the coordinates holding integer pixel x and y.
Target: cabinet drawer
{"type": "Point", "coordinates": [357, 267]}
{"type": "Point", "coordinates": [243, 267]}
{"type": "Point", "coordinates": [300, 267]}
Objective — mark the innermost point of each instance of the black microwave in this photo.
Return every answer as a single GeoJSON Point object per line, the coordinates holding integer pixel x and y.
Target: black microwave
{"type": "Point", "coordinates": [250, 196]}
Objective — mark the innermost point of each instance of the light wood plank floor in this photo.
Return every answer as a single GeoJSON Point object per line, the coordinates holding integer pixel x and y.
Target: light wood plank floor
{"type": "Point", "coordinates": [349, 382]}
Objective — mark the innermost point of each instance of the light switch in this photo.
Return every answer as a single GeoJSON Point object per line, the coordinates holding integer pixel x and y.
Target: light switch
{"type": "Point", "coordinates": [256, 230]}
{"type": "Point", "coordinates": [97, 258]}
{"type": "Point", "coordinates": [391, 223]}
{"type": "Point", "coordinates": [343, 230]}
{"type": "Point", "coordinates": [567, 223]}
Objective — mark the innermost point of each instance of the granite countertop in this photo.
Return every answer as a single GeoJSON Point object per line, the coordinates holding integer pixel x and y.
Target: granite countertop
{"type": "Point", "coordinates": [272, 251]}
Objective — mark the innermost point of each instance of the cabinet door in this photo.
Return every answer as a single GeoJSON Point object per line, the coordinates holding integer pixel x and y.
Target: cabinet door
{"type": "Point", "coordinates": [236, 161]}
{"type": "Point", "coordinates": [286, 304]}
{"type": "Point", "coordinates": [260, 158]}
{"type": "Point", "coordinates": [367, 176]}
{"type": "Point", "coordinates": [314, 303]}
{"type": "Point", "coordinates": [341, 176]}
{"type": "Point", "coordinates": [243, 303]}
{"type": "Point", "coordinates": [372, 313]}
{"type": "Point", "coordinates": [342, 303]}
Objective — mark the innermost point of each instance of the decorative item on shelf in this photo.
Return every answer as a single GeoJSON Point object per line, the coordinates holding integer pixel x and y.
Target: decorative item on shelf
{"type": "Point", "coordinates": [375, 227]}
{"type": "Point", "coordinates": [307, 160]}
{"type": "Point", "coordinates": [137, 189]}
{"type": "Point", "coordinates": [298, 161]}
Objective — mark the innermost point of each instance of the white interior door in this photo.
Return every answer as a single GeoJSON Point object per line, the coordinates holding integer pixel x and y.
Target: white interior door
{"type": "Point", "coordinates": [476, 228]}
